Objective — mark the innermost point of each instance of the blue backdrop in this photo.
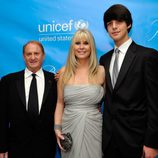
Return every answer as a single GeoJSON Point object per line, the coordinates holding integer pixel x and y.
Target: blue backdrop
{"type": "Point", "coordinates": [53, 23]}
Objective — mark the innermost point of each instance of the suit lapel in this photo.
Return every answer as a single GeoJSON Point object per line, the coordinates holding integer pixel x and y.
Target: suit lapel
{"type": "Point", "coordinates": [48, 84]}
{"type": "Point", "coordinates": [107, 65]}
{"type": "Point", "coordinates": [129, 57]}
{"type": "Point", "coordinates": [21, 87]}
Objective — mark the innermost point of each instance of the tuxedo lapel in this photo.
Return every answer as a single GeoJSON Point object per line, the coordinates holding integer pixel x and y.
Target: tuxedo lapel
{"type": "Point", "coordinates": [21, 87]}
{"type": "Point", "coordinates": [107, 65]}
{"type": "Point", "coordinates": [48, 84]}
{"type": "Point", "coordinates": [129, 57]}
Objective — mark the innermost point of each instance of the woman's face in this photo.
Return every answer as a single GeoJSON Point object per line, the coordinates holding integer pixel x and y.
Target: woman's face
{"type": "Point", "coordinates": [82, 49]}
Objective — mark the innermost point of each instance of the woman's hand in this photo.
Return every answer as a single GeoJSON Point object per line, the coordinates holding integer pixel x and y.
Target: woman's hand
{"type": "Point", "coordinates": [58, 74]}
{"type": "Point", "coordinates": [59, 136]}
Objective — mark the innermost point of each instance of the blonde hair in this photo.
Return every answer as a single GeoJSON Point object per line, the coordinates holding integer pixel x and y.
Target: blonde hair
{"type": "Point", "coordinates": [72, 62]}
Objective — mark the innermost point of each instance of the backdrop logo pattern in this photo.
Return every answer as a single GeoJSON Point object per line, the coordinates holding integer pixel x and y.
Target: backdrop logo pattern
{"type": "Point", "coordinates": [50, 68]}
{"type": "Point", "coordinates": [154, 30]}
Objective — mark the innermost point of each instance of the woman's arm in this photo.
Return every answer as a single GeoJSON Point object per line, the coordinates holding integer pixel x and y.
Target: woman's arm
{"type": "Point", "coordinates": [59, 112]}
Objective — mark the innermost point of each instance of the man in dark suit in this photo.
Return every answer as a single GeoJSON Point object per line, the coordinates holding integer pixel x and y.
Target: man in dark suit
{"type": "Point", "coordinates": [23, 133]}
{"type": "Point", "coordinates": [130, 122]}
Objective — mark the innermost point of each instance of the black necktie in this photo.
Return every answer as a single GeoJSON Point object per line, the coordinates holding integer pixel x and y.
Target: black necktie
{"type": "Point", "coordinates": [115, 71]}
{"type": "Point", "coordinates": [33, 98]}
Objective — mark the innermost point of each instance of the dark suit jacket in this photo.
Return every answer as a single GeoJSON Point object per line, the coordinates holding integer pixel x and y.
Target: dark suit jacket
{"type": "Point", "coordinates": [18, 134]}
{"type": "Point", "coordinates": [131, 108]}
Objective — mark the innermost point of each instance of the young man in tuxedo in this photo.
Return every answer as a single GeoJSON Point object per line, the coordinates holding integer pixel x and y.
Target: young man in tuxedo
{"type": "Point", "coordinates": [130, 122]}
{"type": "Point", "coordinates": [26, 130]}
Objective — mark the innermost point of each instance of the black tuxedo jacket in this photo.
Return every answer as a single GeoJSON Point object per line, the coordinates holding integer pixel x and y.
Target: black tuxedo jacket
{"type": "Point", "coordinates": [18, 135]}
{"type": "Point", "coordinates": [131, 108]}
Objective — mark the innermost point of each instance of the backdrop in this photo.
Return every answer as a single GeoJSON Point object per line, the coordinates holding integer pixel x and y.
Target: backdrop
{"type": "Point", "coordinates": [53, 23]}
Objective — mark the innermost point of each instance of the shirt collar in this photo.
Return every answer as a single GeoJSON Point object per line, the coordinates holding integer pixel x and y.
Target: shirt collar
{"type": "Point", "coordinates": [39, 73]}
{"type": "Point", "coordinates": [123, 48]}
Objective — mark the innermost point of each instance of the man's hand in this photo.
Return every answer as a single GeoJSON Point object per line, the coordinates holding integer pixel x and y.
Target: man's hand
{"type": "Point", "coordinates": [4, 155]}
{"type": "Point", "coordinates": [149, 152]}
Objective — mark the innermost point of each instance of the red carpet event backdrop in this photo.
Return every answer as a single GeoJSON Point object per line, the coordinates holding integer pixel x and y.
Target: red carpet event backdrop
{"type": "Point", "coordinates": [53, 23]}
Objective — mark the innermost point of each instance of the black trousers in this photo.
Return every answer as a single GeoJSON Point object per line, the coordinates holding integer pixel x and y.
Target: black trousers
{"type": "Point", "coordinates": [112, 151]}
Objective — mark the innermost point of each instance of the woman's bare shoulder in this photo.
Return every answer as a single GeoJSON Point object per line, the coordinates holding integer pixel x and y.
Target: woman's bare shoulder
{"type": "Point", "coordinates": [101, 69]}
{"type": "Point", "coordinates": [101, 75]}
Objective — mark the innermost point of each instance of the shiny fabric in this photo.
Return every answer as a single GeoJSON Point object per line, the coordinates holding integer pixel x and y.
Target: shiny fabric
{"type": "Point", "coordinates": [83, 120]}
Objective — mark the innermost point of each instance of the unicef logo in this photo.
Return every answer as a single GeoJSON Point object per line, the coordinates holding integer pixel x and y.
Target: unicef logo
{"type": "Point", "coordinates": [81, 24]}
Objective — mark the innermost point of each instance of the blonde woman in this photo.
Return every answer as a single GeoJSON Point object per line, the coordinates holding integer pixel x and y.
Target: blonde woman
{"type": "Point", "coordinates": [80, 90]}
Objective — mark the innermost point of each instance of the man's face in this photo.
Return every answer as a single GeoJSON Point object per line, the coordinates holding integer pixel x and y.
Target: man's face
{"type": "Point", "coordinates": [118, 31]}
{"type": "Point", "coordinates": [33, 57]}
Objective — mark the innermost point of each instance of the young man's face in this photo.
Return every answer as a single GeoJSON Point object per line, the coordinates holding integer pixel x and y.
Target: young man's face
{"type": "Point", "coordinates": [118, 31]}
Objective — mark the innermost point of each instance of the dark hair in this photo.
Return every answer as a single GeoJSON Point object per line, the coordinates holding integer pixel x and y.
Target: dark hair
{"type": "Point", "coordinates": [118, 12]}
{"type": "Point", "coordinates": [34, 42]}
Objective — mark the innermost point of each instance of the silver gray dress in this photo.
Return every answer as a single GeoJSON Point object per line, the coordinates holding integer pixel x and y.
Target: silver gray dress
{"type": "Point", "coordinates": [82, 119]}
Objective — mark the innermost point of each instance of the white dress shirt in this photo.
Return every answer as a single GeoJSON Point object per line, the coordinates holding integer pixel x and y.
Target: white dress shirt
{"type": "Point", "coordinates": [40, 85]}
{"type": "Point", "coordinates": [123, 49]}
